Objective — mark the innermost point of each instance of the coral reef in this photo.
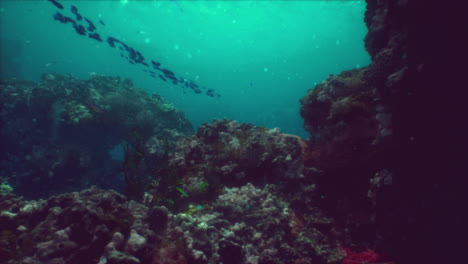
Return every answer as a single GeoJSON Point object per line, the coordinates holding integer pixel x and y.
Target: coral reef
{"type": "Point", "coordinates": [243, 225]}
{"type": "Point", "coordinates": [253, 225]}
{"type": "Point", "coordinates": [226, 153]}
{"type": "Point", "coordinates": [373, 183]}
{"type": "Point", "coordinates": [341, 115]}
{"type": "Point", "coordinates": [64, 129]}
{"type": "Point", "coordinates": [87, 227]}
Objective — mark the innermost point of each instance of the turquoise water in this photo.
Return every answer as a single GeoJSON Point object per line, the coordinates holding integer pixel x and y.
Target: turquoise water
{"type": "Point", "coordinates": [260, 56]}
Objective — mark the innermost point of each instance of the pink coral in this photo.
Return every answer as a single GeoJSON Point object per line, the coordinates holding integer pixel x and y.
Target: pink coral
{"type": "Point", "coordinates": [367, 256]}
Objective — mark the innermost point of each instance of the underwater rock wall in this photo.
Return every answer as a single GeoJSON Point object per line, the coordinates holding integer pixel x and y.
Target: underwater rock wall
{"type": "Point", "coordinates": [57, 135]}
{"type": "Point", "coordinates": [388, 136]}
{"type": "Point", "coordinates": [226, 153]}
{"type": "Point", "coordinates": [240, 153]}
{"type": "Point", "coordinates": [200, 207]}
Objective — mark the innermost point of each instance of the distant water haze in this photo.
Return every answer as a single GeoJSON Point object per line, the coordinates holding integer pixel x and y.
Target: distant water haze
{"type": "Point", "coordinates": [261, 56]}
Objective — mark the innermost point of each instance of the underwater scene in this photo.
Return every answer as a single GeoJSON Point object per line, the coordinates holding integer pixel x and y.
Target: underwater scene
{"type": "Point", "coordinates": [209, 132]}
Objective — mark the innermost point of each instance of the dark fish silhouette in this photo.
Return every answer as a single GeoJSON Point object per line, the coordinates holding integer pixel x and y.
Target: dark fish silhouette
{"type": "Point", "coordinates": [63, 19]}
{"type": "Point", "coordinates": [132, 55]}
{"type": "Point", "coordinates": [172, 77]}
{"type": "Point", "coordinates": [57, 4]}
{"type": "Point", "coordinates": [156, 65]}
{"type": "Point", "coordinates": [74, 10]}
{"type": "Point", "coordinates": [192, 84]}
{"type": "Point", "coordinates": [91, 26]}
{"type": "Point", "coordinates": [211, 93]}
{"type": "Point", "coordinates": [79, 29]}
{"type": "Point", "coordinates": [95, 36]}
{"type": "Point", "coordinates": [112, 41]}
{"type": "Point", "coordinates": [167, 72]}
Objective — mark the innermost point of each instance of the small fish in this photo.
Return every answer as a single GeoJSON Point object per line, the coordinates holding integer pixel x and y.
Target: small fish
{"type": "Point", "coordinates": [182, 192]}
{"type": "Point", "coordinates": [102, 22]}
{"type": "Point", "coordinates": [167, 72]}
{"type": "Point", "coordinates": [95, 36]}
{"type": "Point", "coordinates": [91, 26]}
{"type": "Point", "coordinates": [63, 19]}
{"type": "Point", "coordinates": [74, 10]}
{"type": "Point", "coordinates": [111, 41]}
{"type": "Point", "coordinates": [56, 4]}
{"type": "Point", "coordinates": [155, 64]}
{"type": "Point", "coordinates": [79, 29]}
{"type": "Point", "coordinates": [211, 93]}
{"type": "Point", "coordinates": [162, 78]}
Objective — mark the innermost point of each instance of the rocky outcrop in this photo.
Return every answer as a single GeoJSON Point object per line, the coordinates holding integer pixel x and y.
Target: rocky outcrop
{"type": "Point", "coordinates": [382, 134]}
{"type": "Point", "coordinates": [87, 227]}
{"type": "Point", "coordinates": [64, 129]}
{"type": "Point", "coordinates": [227, 153]}
{"type": "Point", "coordinates": [242, 225]}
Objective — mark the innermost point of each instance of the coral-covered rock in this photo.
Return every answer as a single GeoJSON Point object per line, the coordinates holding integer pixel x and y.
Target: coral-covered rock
{"type": "Point", "coordinates": [78, 228]}
{"type": "Point", "coordinates": [227, 153]}
{"type": "Point", "coordinates": [64, 128]}
{"type": "Point", "coordinates": [381, 138]}
{"type": "Point", "coordinates": [254, 225]}
{"type": "Point", "coordinates": [346, 120]}
{"type": "Point", "coordinates": [243, 225]}
{"type": "Point", "coordinates": [351, 120]}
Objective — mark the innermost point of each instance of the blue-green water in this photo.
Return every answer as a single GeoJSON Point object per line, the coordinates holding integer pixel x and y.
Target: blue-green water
{"type": "Point", "coordinates": [260, 56]}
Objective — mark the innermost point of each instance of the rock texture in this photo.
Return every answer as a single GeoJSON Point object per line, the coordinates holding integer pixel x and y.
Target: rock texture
{"type": "Point", "coordinates": [227, 153]}
{"type": "Point", "coordinates": [377, 183]}
{"type": "Point", "coordinates": [63, 128]}
{"type": "Point", "coordinates": [391, 133]}
{"type": "Point", "coordinates": [242, 225]}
